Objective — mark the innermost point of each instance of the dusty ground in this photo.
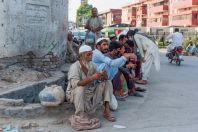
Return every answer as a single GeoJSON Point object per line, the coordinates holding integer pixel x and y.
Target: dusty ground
{"type": "Point", "coordinates": [17, 75]}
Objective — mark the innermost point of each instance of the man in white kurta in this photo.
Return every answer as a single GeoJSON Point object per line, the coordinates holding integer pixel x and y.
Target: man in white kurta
{"type": "Point", "coordinates": [177, 40]}
{"type": "Point", "coordinates": [150, 54]}
{"type": "Point", "coordinates": [87, 87]}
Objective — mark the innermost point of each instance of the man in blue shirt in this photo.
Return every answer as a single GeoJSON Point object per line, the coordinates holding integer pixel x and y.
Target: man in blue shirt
{"type": "Point", "coordinates": [105, 63]}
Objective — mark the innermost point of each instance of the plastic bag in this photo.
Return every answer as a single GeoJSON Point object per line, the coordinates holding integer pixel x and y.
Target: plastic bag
{"type": "Point", "coordinates": [52, 95]}
{"type": "Point", "coordinates": [90, 38]}
{"type": "Point", "coordinates": [113, 104]}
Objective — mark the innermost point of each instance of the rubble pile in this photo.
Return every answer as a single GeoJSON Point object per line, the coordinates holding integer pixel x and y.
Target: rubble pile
{"type": "Point", "coordinates": [18, 74]}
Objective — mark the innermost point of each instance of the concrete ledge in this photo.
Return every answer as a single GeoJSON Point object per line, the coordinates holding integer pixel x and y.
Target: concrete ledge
{"type": "Point", "coordinates": [29, 92]}
{"type": "Point", "coordinates": [23, 101]}
{"type": "Point", "coordinates": [11, 102]}
{"type": "Point", "coordinates": [33, 110]}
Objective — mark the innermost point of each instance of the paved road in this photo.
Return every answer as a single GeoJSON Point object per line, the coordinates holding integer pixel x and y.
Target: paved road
{"type": "Point", "coordinates": [169, 105]}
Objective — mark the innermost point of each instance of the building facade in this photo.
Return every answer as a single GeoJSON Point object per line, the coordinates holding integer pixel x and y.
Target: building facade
{"type": "Point", "coordinates": [184, 13]}
{"type": "Point", "coordinates": [161, 13]}
{"type": "Point", "coordinates": [111, 16]}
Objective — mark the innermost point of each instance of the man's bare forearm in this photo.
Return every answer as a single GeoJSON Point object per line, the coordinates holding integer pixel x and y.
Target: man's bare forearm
{"type": "Point", "coordinates": [85, 82]}
{"type": "Point", "coordinates": [87, 27]}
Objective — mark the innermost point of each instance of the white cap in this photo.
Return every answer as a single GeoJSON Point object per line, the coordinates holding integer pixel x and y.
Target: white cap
{"type": "Point", "coordinates": [84, 48]}
{"type": "Point", "coordinates": [100, 39]}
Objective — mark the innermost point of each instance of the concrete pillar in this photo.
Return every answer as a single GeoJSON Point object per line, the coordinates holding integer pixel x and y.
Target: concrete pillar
{"type": "Point", "coordinates": [33, 25]}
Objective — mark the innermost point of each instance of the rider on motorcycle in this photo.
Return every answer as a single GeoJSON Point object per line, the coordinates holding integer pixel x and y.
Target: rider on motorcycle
{"type": "Point", "coordinates": [177, 40]}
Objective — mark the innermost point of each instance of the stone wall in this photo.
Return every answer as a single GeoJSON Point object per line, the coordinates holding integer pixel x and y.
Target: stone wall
{"type": "Point", "coordinates": [33, 25]}
{"type": "Point", "coordinates": [48, 61]}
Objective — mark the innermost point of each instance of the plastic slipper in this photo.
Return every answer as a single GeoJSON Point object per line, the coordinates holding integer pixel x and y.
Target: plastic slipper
{"type": "Point", "coordinates": [109, 117]}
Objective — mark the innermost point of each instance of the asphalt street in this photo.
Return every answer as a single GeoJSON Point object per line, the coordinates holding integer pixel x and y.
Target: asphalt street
{"type": "Point", "coordinates": [170, 103]}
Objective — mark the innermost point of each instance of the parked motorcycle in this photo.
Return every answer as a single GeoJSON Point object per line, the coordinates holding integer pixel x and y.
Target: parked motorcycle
{"type": "Point", "coordinates": [176, 55]}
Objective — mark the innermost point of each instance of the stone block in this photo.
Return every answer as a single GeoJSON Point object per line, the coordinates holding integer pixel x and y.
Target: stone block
{"type": "Point", "coordinates": [11, 102]}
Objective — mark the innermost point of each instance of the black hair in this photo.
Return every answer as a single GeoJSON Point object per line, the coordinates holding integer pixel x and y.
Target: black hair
{"type": "Point", "coordinates": [130, 33]}
{"type": "Point", "coordinates": [111, 37]}
{"type": "Point", "coordinates": [114, 45]}
{"type": "Point", "coordinates": [176, 29]}
{"type": "Point", "coordinates": [130, 43]}
{"type": "Point", "coordinates": [136, 30]}
{"type": "Point", "coordinates": [122, 36]}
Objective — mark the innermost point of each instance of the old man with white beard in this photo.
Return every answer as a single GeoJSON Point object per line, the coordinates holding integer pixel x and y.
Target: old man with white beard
{"type": "Point", "coordinates": [87, 87]}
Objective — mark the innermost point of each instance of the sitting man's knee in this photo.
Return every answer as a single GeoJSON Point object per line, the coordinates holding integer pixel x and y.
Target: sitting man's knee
{"type": "Point", "coordinates": [79, 91]}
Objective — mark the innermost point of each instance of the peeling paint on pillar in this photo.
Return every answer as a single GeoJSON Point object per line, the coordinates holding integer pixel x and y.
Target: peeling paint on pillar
{"type": "Point", "coordinates": [33, 25]}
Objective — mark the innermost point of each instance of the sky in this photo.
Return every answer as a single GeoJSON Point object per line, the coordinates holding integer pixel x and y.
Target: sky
{"type": "Point", "coordinates": [100, 4]}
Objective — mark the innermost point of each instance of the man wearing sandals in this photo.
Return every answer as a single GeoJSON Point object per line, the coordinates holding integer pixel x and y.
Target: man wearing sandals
{"type": "Point", "coordinates": [87, 87]}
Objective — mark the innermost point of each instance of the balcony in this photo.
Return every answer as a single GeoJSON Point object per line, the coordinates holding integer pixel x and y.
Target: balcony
{"type": "Point", "coordinates": [185, 4]}
{"type": "Point", "coordinates": [158, 9]}
{"type": "Point", "coordinates": [158, 24]}
{"type": "Point", "coordinates": [154, 22]}
{"type": "Point", "coordinates": [186, 20]}
{"type": "Point", "coordinates": [181, 23]}
{"type": "Point", "coordinates": [182, 12]}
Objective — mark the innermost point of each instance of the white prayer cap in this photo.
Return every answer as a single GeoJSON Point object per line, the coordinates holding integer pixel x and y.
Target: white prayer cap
{"type": "Point", "coordinates": [84, 48]}
{"type": "Point", "coordinates": [100, 39]}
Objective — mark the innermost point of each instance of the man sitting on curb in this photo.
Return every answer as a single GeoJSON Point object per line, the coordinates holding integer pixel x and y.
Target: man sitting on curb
{"type": "Point", "coordinates": [87, 88]}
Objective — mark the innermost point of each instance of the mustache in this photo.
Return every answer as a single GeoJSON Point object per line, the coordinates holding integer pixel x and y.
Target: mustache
{"type": "Point", "coordinates": [105, 50]}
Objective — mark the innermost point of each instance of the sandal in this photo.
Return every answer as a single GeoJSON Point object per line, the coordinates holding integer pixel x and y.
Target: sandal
{"type": "Point", "coordinates": [141, 82]}
{"type": "Point", "coordinates": [109, 117]}
{"type": "Point", "coordinates": [120, 98]}
{"type": "Point", "coordinates": [140, 89]}
{"type": "Point", "coordinates": [136, 94]}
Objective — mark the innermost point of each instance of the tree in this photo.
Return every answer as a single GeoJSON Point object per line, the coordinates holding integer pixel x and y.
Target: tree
{"type": "Point", "coordinates": [83, 10]}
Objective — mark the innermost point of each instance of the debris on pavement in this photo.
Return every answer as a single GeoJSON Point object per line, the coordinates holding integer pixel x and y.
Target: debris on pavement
{"type": "Point", "coordinates": [119, 126]}
{"type": "Point", "coordinates": [29, 125]}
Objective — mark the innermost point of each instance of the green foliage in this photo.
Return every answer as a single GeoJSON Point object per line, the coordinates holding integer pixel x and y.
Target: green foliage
{"type": "Point", "coordinates": [194, 40]}
{"type": "Point", "coordinates": [83, 10]}
{"type": "Point", "coordinates": [165, 43]}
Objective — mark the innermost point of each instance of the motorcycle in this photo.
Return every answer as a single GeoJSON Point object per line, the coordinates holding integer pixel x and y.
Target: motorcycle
{"type": "Point", "coordinates": [176, 55]}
